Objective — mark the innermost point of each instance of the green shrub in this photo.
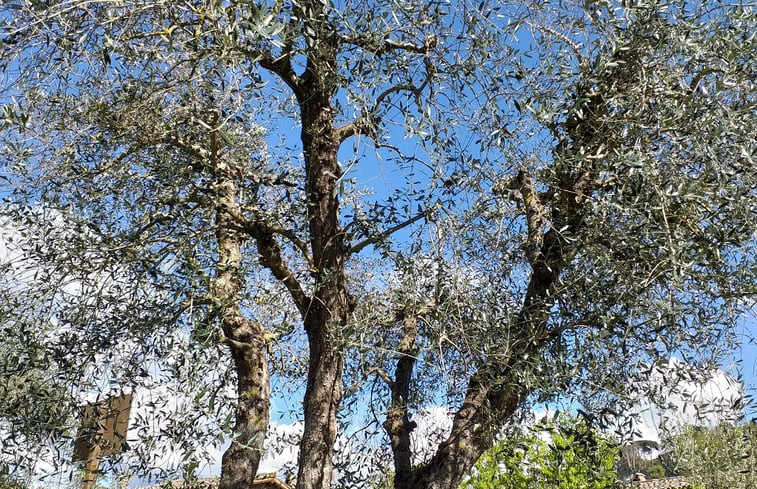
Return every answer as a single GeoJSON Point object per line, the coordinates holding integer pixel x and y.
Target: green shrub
{"type": "Point", "coordinates": [563, 453]}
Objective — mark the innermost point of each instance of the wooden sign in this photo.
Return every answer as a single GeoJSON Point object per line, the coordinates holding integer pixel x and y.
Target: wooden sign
{"type": "Point", "coordinates": [103, 425]}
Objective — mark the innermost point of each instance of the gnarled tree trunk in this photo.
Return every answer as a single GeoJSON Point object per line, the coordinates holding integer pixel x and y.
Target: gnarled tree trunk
{"type": "Point", "coordinates": [245, 338]}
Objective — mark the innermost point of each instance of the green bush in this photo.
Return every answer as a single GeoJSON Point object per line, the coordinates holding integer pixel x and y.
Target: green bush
{"type": "Point", "coordinates": [7, 483]}
{"type": "Point", "coordinates": [724, 457]}
{"type": "Point", "coordinates": [656, 471]}
{"type": "Point", "coordinates": [563, 453]}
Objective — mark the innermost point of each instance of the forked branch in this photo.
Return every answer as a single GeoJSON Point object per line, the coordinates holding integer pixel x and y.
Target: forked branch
{"type": "Point", "coordinates": [270, 254]}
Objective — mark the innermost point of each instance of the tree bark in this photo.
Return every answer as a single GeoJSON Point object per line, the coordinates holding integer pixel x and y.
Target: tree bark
{"type": "Point", "coordinates": [331, 305]}
{"type": "Point", "coordinates": [398, 424]}
{"type": "Point", "coordinates": [246, 340]}
{"type": "Point", "coordinates": [239, 464]}
{"type": "Point", "coordinates": [322, 397]}
{"type": "Point", "coordinates": [473, 428]}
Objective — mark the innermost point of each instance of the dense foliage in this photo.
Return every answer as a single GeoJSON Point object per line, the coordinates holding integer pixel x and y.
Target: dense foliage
{"type": "Point", "coordinates": [723, 457]}
{"type": "Point", "coordinates": [563, 453]}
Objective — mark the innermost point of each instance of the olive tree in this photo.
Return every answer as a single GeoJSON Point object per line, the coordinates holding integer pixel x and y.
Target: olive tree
{"type": "Point", "coordinates": [75, 324]}
{"type": "Point", "coordinates": [600, 226]}
{"type": "Point", "coordinates": [152, 138]}
{"type": "Point", "coordinates": [165, 202]}
{"type": "Point", "coordinates": [572, 194]}
{"type": "Point", "coordinates": [716, 457]}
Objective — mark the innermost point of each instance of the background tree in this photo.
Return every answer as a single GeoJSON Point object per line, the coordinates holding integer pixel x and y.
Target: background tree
{"type": "Point", "coordinates": [719, 457]}
{"type": "Point", "coordinates": [8, 483]}
{"type": "Point", "coordinates": [592, 165]}
{"type": "Point", "coordinates": [46, 353]}
{"type": "Point", "coordinates": [636, 457]}
{"type": "Point", "coordinates": [656, 471]}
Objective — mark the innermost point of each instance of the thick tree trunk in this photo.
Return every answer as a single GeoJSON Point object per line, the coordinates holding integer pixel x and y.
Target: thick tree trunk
{"type": "Point", "coordinates": [322, 397]}
{"type": "Point", "coordinates": [329, 310]}
{"type": "Point", "coordinates": [246, 341]}
{"type": "Point", "coordinates": [485, 408]}
{"type": "Point", "coordinates": [239, 464]}
{"type": "Point", "coordinates": [324, 322]}
{"type": "Point", "coordinates": [397, 424]}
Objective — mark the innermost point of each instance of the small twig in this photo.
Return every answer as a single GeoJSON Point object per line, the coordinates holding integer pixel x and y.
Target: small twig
{"type": "Point", "coordinates": [377, 47]}
{"type": "Point", "coordinates": [573, 46]}
{"type": "Point", "coordinates": [382, 374]}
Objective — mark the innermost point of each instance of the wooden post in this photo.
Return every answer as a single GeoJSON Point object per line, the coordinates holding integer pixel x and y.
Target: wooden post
{"type": "Point", "coordinates": [90, 467]}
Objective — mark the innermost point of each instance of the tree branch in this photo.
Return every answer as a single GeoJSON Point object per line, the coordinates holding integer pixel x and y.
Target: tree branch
{"type": "Point", "coordinates": [257, 229]}
{"type": "Point", "coordinates": [700, 76]}
{"type": "Point", "coordinates": [383, 235]}
{"type": "Point", "coordinates": [534, 214]}
{"type": "Point", "coordinates": [365, 125]}
{"type": "Point", "coordinates": [573, 46]}
{"type": "Point", "coordinates": [270, 254]}
{"type": "Point", "coordinates": [281, 66]}
{"type": "Point", "coordinates": [196, 151]}
{"type": "Point", "coordinates": [378, 46]}
{"type": "Point", "coordinates": [381, 373]}
{"type": "Point", "coordinates": [368, 122]}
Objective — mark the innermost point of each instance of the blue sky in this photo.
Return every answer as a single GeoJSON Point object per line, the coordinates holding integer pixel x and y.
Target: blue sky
{"type": "Point", "coordinates": [743, 361]}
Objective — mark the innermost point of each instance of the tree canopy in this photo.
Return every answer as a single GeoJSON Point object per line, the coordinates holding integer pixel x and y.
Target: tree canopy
{"type": "Point", "coordinates": [481, 205]}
